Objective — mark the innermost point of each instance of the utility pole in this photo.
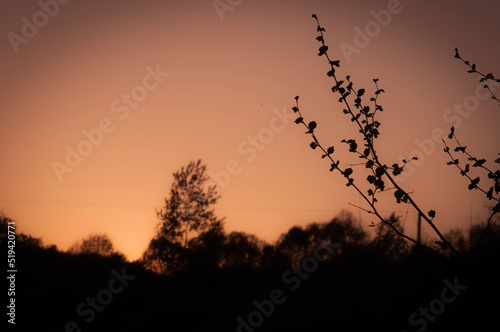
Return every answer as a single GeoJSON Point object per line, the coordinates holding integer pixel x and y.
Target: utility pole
{"type": "Point", "coordinates": [419, 225]}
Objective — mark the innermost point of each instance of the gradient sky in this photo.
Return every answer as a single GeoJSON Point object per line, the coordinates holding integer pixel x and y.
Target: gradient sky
{"type": "Point", "coordinates": [227, 80]}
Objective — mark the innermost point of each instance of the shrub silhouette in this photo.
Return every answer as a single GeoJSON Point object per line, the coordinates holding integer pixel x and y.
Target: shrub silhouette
{"type": "Point", "coordinates": [98, 244]}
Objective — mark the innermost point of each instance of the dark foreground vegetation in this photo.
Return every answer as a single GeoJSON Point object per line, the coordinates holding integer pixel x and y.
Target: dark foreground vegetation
{"type": "Point", "coordinates": [363, 284]}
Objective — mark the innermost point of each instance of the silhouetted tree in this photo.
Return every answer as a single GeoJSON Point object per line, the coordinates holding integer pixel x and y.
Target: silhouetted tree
{"type": "Point", "coordinates": [206, 250]}
{"type": "Point", "coordinates": [345, 230]}
{"type": "Point", "coordinates": [242, 249]}
{"type": "Point", "coordinates": [296, 244]}
{"type": "Point", "coordinates": [23, 241]}
{"type": "Point", "coordinates": [187, 214]}
{"type": "Point", "coordinates": [4, 226]}
{"type": "Point", "coordinates": [387, 242]}
{"type": "Point", "coordinates": [28, 242]}
{"type": "Point", "coordinates": [299, 242]}
{"type": "Point", "coordinates": [4, 223]}
{"type": "Point", "coordinates": [458, 239]}
{"type": "Point", "coordinates": [93, 244]}
{"type": "Point", "coordinates": [481, 239]}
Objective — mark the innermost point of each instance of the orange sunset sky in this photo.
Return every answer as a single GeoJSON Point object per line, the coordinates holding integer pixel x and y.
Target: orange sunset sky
{"type": "Point", "coordinates": [222, 76]}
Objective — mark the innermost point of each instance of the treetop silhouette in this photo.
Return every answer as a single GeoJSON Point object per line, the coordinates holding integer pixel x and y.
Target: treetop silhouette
{"type": "Point", "coordinates": [188, 213]}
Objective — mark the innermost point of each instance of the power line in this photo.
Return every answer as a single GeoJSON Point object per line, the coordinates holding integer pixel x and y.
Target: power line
{"type": "Point", "coordinates": [72, 203]}
{"type": "Point", "coordinates": [152, 206]}
{"type": "Point", "coordinates": [217, 208]}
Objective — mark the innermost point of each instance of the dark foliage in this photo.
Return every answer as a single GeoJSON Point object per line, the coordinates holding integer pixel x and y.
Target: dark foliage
{"type": "Point", "coordinates": [366, 284]}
